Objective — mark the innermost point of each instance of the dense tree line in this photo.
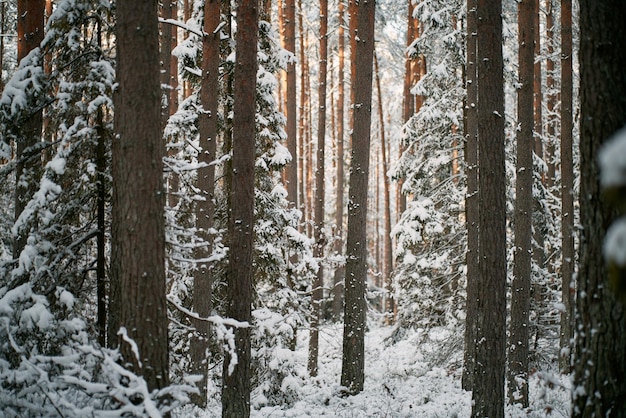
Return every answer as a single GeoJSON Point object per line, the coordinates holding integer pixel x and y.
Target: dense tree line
{"type": "Point", "coordinates": [181, 205]}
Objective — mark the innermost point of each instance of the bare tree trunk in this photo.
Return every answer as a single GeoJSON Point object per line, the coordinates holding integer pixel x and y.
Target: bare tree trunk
{"type": "Point", "coordinates": [488, 388]}
{"type": "Point", "coordinates": [522, 264]}
{"type": "Point", "coordinates": [567, 186]}
{"type": "Point", "coordinates": [353, 359]}
{"type": "Point", "coordinates": [2, 29]}
{"type": "Point", "coordinates": [600, 355]}
{"type": "Point", "coordinates": [169, 82]}
{"type": "Point", "coordinates": [289, 44]}
{"type": "Point", "coordinates": [471, 200]}
{"type": "Point", "coordinates": [408, 107]}
{"type": "Point", "coordinates": [30, 27]}
{"type": "Point", "coordinates": [320, 238]}
{"type": "Point", "coordinates": [551, 95]}
{"type": "Point", "coordinates": [387, 247]}
{"type": "Point", "coordinates": [538, 251]}
{"type": "Point", "coordinates": [236, 385]}
{"type": "Point", "coordinates": [338, 286]}
{"type": "Point", "coordinates": [138, 232]}
{"type": "Point", "coordinates": [303, 103]}
{"type": "Point", "coordinates": [205, 183]}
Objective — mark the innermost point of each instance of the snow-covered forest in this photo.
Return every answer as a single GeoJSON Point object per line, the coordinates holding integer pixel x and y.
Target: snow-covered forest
{"type": "Point", "coordinates": [347, 208]}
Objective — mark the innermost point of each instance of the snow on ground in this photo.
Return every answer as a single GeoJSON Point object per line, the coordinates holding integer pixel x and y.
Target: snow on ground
{"type": "Point", "coordinates": [418, 376]}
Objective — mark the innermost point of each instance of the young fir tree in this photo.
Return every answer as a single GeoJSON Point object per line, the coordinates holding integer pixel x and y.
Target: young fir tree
{"type": "Point", "coordinates": [431, 240]}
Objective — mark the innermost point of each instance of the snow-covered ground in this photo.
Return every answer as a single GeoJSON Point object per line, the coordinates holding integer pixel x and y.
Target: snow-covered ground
{"type": "Point", "coordinates": [418, 376]}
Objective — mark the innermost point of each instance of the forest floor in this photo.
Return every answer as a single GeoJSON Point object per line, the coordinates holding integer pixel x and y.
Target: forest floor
{"type": "Point", "coordinates": [417, 376]}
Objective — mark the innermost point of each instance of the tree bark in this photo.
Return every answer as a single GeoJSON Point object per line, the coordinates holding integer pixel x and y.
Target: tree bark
{"type": "Point", "coordinates": [290, 94]}
{"type": "Point", "coordinates": [205, 183]}
{"type": "Point", "coordinates": [471, 199]}
{"type": "Point", "coordinates": [488, 390]}
{"type": "Point", "coordinates": [522, 263]}
{"type": "Point", "coordinates": [387, 245]}
{"type": "Point", "coordinates": [30, 28]}
{"type": "Point", "coordinates": [567, 187]}
{"type": "Point", "coordinates": [353, 359]}
{"type": "Point", "coordinates": [320, 239]}
{"type": "Point", "coordinates": [600, 355]}
{"type": "Point", "coordinates": [236, 385]}
{"type": "Point", "coordinates": [551, 121]}
{"type": "Point", "coordinates": [138, 231]}
{"type": "Point", "coordinates": [338, 283]}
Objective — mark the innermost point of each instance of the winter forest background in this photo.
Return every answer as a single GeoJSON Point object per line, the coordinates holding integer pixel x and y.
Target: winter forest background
{"type": "Point", "coordinates": [305, 208]}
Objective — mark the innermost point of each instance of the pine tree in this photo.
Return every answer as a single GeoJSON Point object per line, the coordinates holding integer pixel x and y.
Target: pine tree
{"type": "Point", "coordinates": [488, 388]}
{"type": "Point", "coordinates": [236, 371]}
{"type": "Point", "coordinates": [138, 235]}
{"type": "Point", "coordinates": [600, 351]}
{"type": "Point", "coordinates": [355, 309]}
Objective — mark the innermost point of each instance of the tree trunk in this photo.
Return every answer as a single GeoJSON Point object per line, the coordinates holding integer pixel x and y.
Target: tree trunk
{"type": "Point", "coordinates": [138, 224]}
{"type": "Point", "coordinates": [30, 27]}
{"type": "Point", "coordinates": [387, 249]}
{"type": "Point", "coordinates": [236, 385]}
{"type": "Point", "coordinates": [551, 95]}
{"type": "Point", "coordinates": [539, 225]}
{"type": "Point", "coordinates": [522, 263]}
{"type": "Point", "coordinates": [488, 390]}
{"type": "Point", "coordinates": [101, 286]}
{"type": "Point", "coordinates": [567, 187]}
{"type": "Point", "coordinates": [471, 200]}
{"type": "Point", "coordinates": [205, 183]}
{"type": "Point", "coordinates": [338, 283]}
{"type": "Point", "coordinates": [320, 239]}
{"type": "Point", "coordinates": [353, 359]}
{"type": "Point", "coordinates": [169, 81]}
{"type": "Point", "coordinates": [408, 107]}
{"type": "Point", "coordinates": [600, 355]}
{"type": "Point", "coordinates": [289, 44]}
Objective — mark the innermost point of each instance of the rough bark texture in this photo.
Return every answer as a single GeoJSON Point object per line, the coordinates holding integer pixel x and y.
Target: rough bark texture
{"type": "Point", "coordinates": [387, 259]}
{"type": "Point", "coordinates": [29, 35]}
{"type": "Point", "coordinates": [567, 187]}
{"type": "Point", "coordinates": [138, 235]}
{"type": "Point", "coordinates": [471, 199]}
{"type": "Point", "coordinates": [600, 356]}
{"type": "Point", "coordinates": [2, 24]}
{"type": "Point", "coordinates": [169, 83]}
{"type": "Point", "coordinates": [101, 286]}
{"type": "Point", "coordinates": [338, 284]}
{"type": "Point", "coordinates": [488, 390]}
{"type": "Point", "coordinates": [320, 239]}
{"type": "Point", "coordinates": [289, 44]}
{"type": "Point", "coordinates": [353, 359]}
{"type": "Point", "coordinates": [522, 263]}
{"type": "Point", "coordinates": [205, 183]}
{"type": "Point", "coordinates": [551, 122]}
{"type": "Point", "coordinates": [236, 385]}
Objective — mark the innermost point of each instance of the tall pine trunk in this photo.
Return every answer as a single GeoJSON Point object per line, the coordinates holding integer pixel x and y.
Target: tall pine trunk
{"type": "Point", "coordinates": [138, 224]}
{"type": "Point", "coordinates": [236, 372]}
{"type": "Point", "coordinates": [338, 285]}
{"type": "Point", "coordinates": [320, 238]}
{"type": "Point", "coordinates": [289, 43]}
{"type": "Point", "coordinates": [30, 27]}
{"type": "Point", "coordinates": [205, 183]}
{"type": "Point", "coordinates": [600, 355]}
{"type": "Point", "coordinates": [471, 200]}
{"type": "Point", "coordinates": [488, 389]}
{"type": "Point", "coordinates": [522, 262]}
{"type": "Point", "coordinates": [567, 187]}
{"type": "Point", "coordinates": [387, 259]}
{"type": "Point", "coordinates": [355, 310]}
